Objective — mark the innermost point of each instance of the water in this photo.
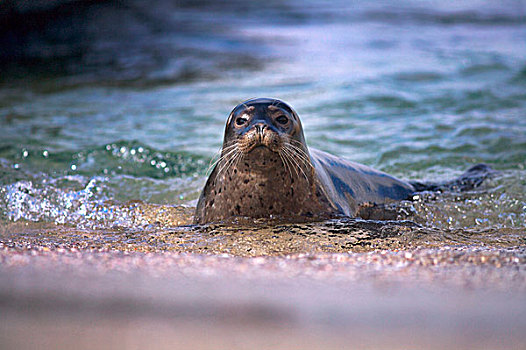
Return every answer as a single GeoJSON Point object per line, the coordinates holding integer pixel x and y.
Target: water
{"type": "Point", "coordinates": [115, 131]}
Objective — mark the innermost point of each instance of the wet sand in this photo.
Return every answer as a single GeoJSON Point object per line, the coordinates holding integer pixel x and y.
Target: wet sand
{"type": "Point", "coordinates": [61, 296]}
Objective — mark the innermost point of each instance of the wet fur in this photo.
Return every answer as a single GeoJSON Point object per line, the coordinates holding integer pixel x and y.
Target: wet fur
{"type": "Point", "coordinates": [266, 171]}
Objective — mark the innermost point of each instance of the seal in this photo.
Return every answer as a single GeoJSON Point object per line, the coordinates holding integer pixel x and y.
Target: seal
{"type": "Point", "coordinates": [266, 170]}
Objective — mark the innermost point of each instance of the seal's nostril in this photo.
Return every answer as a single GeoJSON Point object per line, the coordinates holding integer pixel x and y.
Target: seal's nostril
{"type": "Point", "coordinates": [260, 128]}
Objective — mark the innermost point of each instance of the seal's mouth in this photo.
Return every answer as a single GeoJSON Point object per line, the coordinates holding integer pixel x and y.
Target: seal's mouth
{"type": "Point", "coordinates": [257, 140]}
{"type": "Point", "coordinates": [259, 147]}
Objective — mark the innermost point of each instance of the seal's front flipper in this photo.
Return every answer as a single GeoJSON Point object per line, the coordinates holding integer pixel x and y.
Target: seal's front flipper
{"type": "Point", "coordinates": [471, 179]}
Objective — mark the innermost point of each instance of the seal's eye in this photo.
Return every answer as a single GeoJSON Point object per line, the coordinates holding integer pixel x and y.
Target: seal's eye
{"type": "Point", "coordinates": [282, 119]}
{"type": "Point", "coordinates": [241, 121]}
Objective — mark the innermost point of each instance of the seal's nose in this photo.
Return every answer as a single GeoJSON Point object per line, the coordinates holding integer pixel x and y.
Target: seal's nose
{"type": "Point", "coordinates": [260, 129]}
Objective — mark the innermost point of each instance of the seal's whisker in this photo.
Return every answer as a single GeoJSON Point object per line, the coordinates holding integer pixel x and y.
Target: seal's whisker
{"type": "Point", "coordinates": [291, 140]}
{"type": "Point", "coordinates": [212, 165]}
{"type": "Point", "coordinates": [220, 155]}
{"type": "Point", "coordinates": [292, 163]}
{"type": "Point", "coordinates": [300, 151]}
{"type": "Point", "coordinates": [288, 157]}
{"type": "Point", "coordinates": [227, 159]}
{"type": "Point", "coordinates": [213, 161]}
{"type": "Point", "coordinates": [239, 157]}
{"type": "Point", "coordinates": [225, 165]}
{"type": "Point", "coordinates": [297, 160]}
{"type": "Point", "coordinates": [233, 157]}
{"type": "Point", "coordinates": [285, 163]}
{"type": "Point", "coordinates": [229, 163]}
{"type": "Point", "coordinates": [224, 156]}
{"type": "Point", "coordinates": [293, 143]}
{"type": "Point", "coordinates": [301, 154]}
{"type": "Point", "coordinates": [229, 146]}
{"type": "Point", "coordinates": [230, 150]}
{"type": "Point", "coordinates": [291, 166]}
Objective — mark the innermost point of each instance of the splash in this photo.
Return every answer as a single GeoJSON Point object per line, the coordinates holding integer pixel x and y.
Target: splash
{"type": "Point", "coordinates": [83, 203]}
